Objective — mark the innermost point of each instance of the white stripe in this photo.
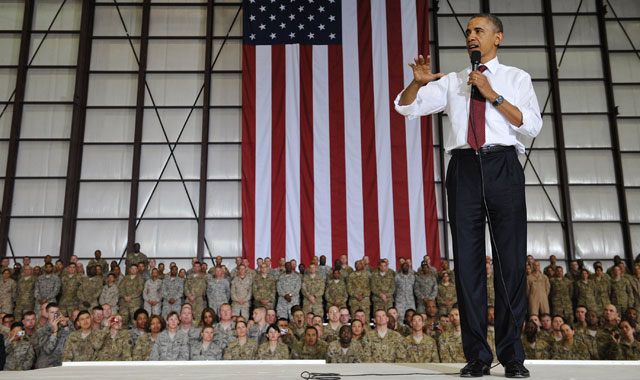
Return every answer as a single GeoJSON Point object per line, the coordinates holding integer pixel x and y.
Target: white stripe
{"type": "Point", "coordinates": [263, 152]}
{"type": "Point", "coordinates": [353, 153]}
{"type": "Point", "coordinates": [413, 137]}
{"type": "Point", "coordinates": [292, 151]}
{"type": "Point", "coordinates": [321, 152]}
{"type": "Point", "coordinates": [383, 137]}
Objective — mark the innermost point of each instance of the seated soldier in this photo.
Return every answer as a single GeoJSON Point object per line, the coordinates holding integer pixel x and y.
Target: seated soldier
{"type": "Point", "coordinates": [344, 350]}
{"type": "Point", "coordinates": [206, 349]}
{"type": "Point", "coordinates": [383, 345]}
{"type": "Point", "coordinates": [18, 350]}
{"type": "Point", "coordinates": [115, 344]}
{"type": "Point", "coordinates": [357, 330]}
{"type": "Point", "coordinates": [241, 348]}
{"type": "Point", "coordinates": [82, 344]}
{"type": "Point", "coordinates": [534, 348]}
{"type": "Point", "coordinates": [145, 343]}
{"type": "Point", "coordinates": [624, 346]}
{"type": "Point", "coordinates": [172, 343]}
{"type": "Point", "coordinates": [569, 348]}
{"type": "Point", "coordinates": [421, 348]}
{"type": "Point", "coordinates": [273, 349]}
{"type": "Point", "coordinates": [310, 347]}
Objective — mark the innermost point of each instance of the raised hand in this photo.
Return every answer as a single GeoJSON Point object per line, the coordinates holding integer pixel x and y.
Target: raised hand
{"type": "Point", "coordinates": [422, 70]}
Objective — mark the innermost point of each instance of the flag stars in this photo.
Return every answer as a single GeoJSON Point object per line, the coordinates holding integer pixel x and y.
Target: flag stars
{"type": "Point", "coordinates": [283, 25]}
{"type": "Point", "coordinates": [292, 35]}
{"type": "Point", "coordinates": [300, 26]}
{"type": "Point", "coordinates": [332, 36]}
{"type": "Point", "coordinates": [252, 18]}
{"type": "Point", "coordinates": [282, 7]}
{"type": "Point", "coordinates": [320, 9]}
{"type": "Point", "coordinates": [332, 18]}
{"type": "Point", "coordinates": [310, 35]}
{"type": "Point", "coordinates": [263, 8]}
{"type": "Point", "coordinates": [262, 27]}
{"type": "Point", "coordinates": [272, 18]}
{"type": "Point", "coordinates": [301, 8]}
{"type": "Point", "coordinates": [292, 17]}
{"type": "Point", "coordinates": [311, 18]}
{"type": "Point", "coordinates": [252, 36]}
{"type": "Point", "coordinates": [321, 26]}
{"type": "Point", "coordinates": [273, 36]}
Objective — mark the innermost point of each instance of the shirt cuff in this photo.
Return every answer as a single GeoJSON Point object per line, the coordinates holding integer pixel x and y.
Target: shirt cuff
{"type": "Point", "coordinates": [408, 110]}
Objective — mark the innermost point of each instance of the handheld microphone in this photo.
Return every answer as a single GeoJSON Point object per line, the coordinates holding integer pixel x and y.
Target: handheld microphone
{"type": "Point", "coordinates": [475, 62]}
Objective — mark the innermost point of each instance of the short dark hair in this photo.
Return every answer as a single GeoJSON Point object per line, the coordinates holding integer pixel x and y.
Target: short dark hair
{"type": "Point", "coordinates": [83, 312]}
{"type": "Point", "coordinates": [97, 308]}
{"type": "Point", "coordinates": [51, 304]}
{"type": "Point", "coordinates": [7, 316]}
{"type": "Point", "coordinates": [494, 20]}
{"type": "Point", "coordinates": [16, 324]}
{"type": "Point", "coordinates": [138, 312]}
{"type": "Point", "coordinates": [28, 313]}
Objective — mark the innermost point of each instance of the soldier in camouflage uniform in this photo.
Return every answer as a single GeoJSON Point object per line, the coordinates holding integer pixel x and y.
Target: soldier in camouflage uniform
{"type": "Point", "coordinates": [71, 282]}
{"type": "Point", "coordinates": [130, 294]}
{"type": "Point", "coordinates": [172, 291]}
{"type": "Point", "coordinates": [151, 294]}
{"type": "Point", "coordinates": [446, 295]}
{"type": "Point", "coordinates": [345, 269]}
{"type": "Point", "coordinates": [359, 289]}
{"type": "Point", "coordinates": [635, 284]}
{"type": "Point", "coordinates": [609, 326]}
{"type": "Point", "coordinates": [383, 287]}
{"type": "Point", "coordinates": [25, 288]}
{"type": "Point", "coordinates": [405, 279]}
{"type": "Point", "coordinates": [335, 292]}
{"type": "Point", "coordinates": [491, 291]}
{"type": "Point", "coordinates": [336, 349]}
{"type": "Point", "coordinates": [534, 348]}
{"type": "Point", "coordinates": [81, 346]}
{"type": "Point", "coordinates": [561, 294]}
{"type": "Point", "coordinates": [288, 286]}
{"type": "Point", "coordinates": [264, 288]}
{"type": "Point", "coordinates": [450, 342]}
{"type": "Point", "coordinates": [241, 348]}
{"type": "Point", "coordinates": [110, 293]}
{"type": "Point", "coordinates": [331, 330]}
{"type": "Point", "coordinates": [136, 257]}
{"type": "Point", "coordinates": [195, 289]}
{"type": "Point", "coordinates": [144, 343]}
{"type": "Point", "coordinates": [206, 348]}
{"type": "Point", "coordinates": [47, 287]}
{"type": "Point", "coordinates": [51, 338]}
{"type": "Point", "coordinates": [116, 343]}
{"type": "Point", "coordinates": [421, 348]}
{"type": "Point", "coordinates": [383, 345]}
{"type": "Point", "coordinates": [312, 291]}
{"type": "Point", "coordinates": [171, 348]}
{"type": "Point", "coordinates": [569, 348]}
{"type": "Point", "coordinates": [18, 350]}
{"type": "Point", "coordinates": [425, 287]}
{"type": "Point", "coordinates": [586, 291]}
{"type": "Point", "coordinates": [603, 289]}
{"type": "Point", "coordinates": [273, 349]}
{"type": "Point", "coordinates": [90, 289]}
{"type": "Point", "coordinates": [99, 261]}
{"type": "Point", "coordinates": [625, 347]}
{"type": "Point", "coordinates": [241, 289]}
{"type": "Point", "coordinates": [621, 290]}
{"type": "Point", "coordinates": [218, 289]}
{"type": "Point", "coordinates": [310, 347]}
{"type": "Point", "coordinates": [8, 292]}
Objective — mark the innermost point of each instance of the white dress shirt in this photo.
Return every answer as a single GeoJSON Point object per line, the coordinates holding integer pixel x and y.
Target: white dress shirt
{"type": "Point", "coordinates": [452, 94]}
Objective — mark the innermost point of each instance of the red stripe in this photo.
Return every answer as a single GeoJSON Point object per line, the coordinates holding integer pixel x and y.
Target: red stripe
{"type": "Point", "coordinates": [337, 151]}
{"type": "Point", "coordinates": [402, 220]}
{"type": "Point", "coordinates": [368, 135]}
{"type": "Point", "coordinates": [306, 156]}
{"type": "Point", "coordinates": [426, 127]}
{"type": "Point", "coordinates": [278, 163]}
{"type": "Point", "coordinates": [248, 152]}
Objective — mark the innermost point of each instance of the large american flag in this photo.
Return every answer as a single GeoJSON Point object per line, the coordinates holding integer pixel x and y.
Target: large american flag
{"type": "Point", "coordinates": [328, 166]}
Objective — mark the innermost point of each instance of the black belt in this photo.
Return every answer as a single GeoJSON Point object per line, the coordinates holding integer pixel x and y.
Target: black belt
{"type": "Point", "coordinates": [487, 149]}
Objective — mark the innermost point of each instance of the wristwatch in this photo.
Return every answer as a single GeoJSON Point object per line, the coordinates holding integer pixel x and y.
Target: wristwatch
{"type": "Point", "coordinates": [498, 101]}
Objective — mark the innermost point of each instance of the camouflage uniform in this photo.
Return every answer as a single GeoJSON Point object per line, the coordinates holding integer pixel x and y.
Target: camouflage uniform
{"type": "Point", "coordinates": [241, 291]}
{"type": "Point", "coordinates": [312, 286]}
{"type": "Point", "coordinates": [588, 337]}
{"type": "Point", "coordinates": [166, 348]}
{"type": "Point", "coordinates": [110, 296]}
{"type": "Point", "coordinates": [136, 258]}
{"type": "Point", "coordinates": [49, 346]}
{"type": "Point", "coordinates": [635, 285]}
{"type": "Point", "coordinates": [151, 292]}
{"type": "Point", "coordinates": [100, 263]}
{"type": "Point", "coordinates": [79, 349]}
{"type": "Point", "coordinates": [621, 294]}
{"type": "Point", "coordinates": [212, 352]}
{"type": "Point", "coordinates": [264, 288]}
{"type": "Point", "coordinates": [47, 286]}
{"type": "Point", "coordinates": [19, 356]}
{"type": "Point", "coordinates": [358, 284]}
{"type": "Point", "coordinates": [586, 294]}
{"type": "Point", "coordinates": [491, 339]}
{"type": "Point", "coordinates": [336, 354]}
{"type": "Point", "coordinates": [69, 293]}
{"type": "Point", "coordinates": [390, 349]}
{"type": "Point", "coordinates": [425, 287]}
{"type": "Point", "coordinates": [116, 348]}
{"type": "Point", "coordinates": [130, 287]}
{"type": "Point", "coordinates": [603, 339]}
{"type": "Point", "coordinates": [625, 350]}
{"type": "Point", "coordinates": [561, 295]}
{"type": "Point", "coordinates": [446, 293]}
{"type": "Point", "coordinates": [425, 351]}
{"type": "Point", "coordinates": [8, 295]}
{"type": "Point", "coordinates": [538, 350]}
{"type": "Point", "coordinates": [24, 302]}
{"type": "Point", "coordinates": [404, 292]}
{"type": "Point", "coordinates": [288, 284]}
{"type": "Point", "coordinates": [172, 287]}
{"type": "Point", "coordinates": [196, 286]}
{"type": "Point", "coordinates": [346, 271]}
{"type": "Point", "coordinates": [562, 350]}
{"type": "Point", "coordinates": [450, 347]}
{"type": "Point", "coordinates": [335, 293]}
{"type": "Point", "coordinates": [89, 291]}
{"type": "Point", "coordinates": [236, 351]}
{"type": "Point", "coordinates": [280, 353]}
{"type": "Point", "coordinates": [301, 351]}
{"type": "Point", "coordinates": [224, 335]}
{"type": "Point", "coordinates": [257, 333]}
{"type": "Point", "coordinates": [143, 347]}
{"type": "Point", "coordinates": [330, 334]}
{"type": "Point", "coordinates": [134, 333]}
{"type": "Point", "coordinates": [382, 284]}
{"type": "Point", "coordinates": [491, 291]}
{"type": "Point", "coordinates": [603, 289]}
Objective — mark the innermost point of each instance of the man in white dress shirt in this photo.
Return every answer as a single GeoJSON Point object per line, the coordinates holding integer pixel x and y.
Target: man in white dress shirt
{"type": "Point", "coordinates": [484, 139]}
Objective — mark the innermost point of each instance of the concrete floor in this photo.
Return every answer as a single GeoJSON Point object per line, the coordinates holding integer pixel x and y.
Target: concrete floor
{"type": "Point", "coordinates": [540, 370]}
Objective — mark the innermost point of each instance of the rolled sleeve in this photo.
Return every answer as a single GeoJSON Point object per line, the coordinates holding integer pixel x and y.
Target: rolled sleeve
{"type": "Point", "coordinates": [528, 104]}
{"type": "Point", "coordinates": [430, 99]}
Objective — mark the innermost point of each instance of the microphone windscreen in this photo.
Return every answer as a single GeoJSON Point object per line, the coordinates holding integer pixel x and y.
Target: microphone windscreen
{"type": "Point", "coordinates": [476, 56]}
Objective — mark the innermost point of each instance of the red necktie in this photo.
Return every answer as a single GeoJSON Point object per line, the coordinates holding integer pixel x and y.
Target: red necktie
{"type": "Point", "coordinates": [476, 117]}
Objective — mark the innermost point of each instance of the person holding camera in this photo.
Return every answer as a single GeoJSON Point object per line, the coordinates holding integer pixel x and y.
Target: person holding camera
{"type": "Point", "coordinates": [116, 343]}
{"type": "Point", "coordinates": [52, 337]}
{"type": "Point", "coordinates": [623, 345]}
{"type": "Point", "coordinates": [19, 352]}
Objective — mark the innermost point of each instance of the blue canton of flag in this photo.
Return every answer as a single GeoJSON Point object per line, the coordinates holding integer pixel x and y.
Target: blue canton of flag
{"type": "Point", "coordinates": [305, 22]}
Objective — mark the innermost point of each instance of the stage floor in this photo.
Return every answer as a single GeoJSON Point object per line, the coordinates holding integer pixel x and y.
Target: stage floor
{"type": "Point", "coordinates": [540, 370]}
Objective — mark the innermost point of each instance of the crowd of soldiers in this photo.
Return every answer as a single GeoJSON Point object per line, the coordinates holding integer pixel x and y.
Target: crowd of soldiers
{"type": "Point", "coordinates": [57, 313]}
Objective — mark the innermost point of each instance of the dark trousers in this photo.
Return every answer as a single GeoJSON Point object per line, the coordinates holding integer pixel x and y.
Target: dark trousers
{"type": "Point", "coordinates": [505, 196]}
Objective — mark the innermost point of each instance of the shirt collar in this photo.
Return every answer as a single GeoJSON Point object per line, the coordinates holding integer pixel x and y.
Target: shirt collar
{"type": "Point", "coordinates": [492, 65]}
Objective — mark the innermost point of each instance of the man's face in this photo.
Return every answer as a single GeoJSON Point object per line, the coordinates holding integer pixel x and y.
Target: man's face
{"type": "Point", "coordinates": [264, 269]}
{"type": "Point", "coordinates": [417, 323]}
{"type": "Point", "coordinates": [225, 312]}
{"type": "Point", "coordinates": [359, 315]}
{"type": "Point", "coordinates": [136, 248]}
{"type": "Point", "coordinates": [97, 316]}
{"type": "Point", "coordinates": [345, 335]}
{"type": "Point", "coordinates": [141, 321]}
{"type": "Point", "coordinates": [287, 267]}
{"type": "Point", "coordinates": [258, 315]}
{"type": "Point", "coordinates": [381, 318]}
{"type": "Point", "coordinates": [186, 315]}
{"type": "Point", "coordinates": [242, 270]}
{"type": "Point", "coordinates": [312, 269]}
{"type": "Point", "coordinates": [133, 270]}
{"type": "Point", "coordinates": [567, 332]}
{"type": "Point", "coordinates": [52, 312]}
{"type": "Point", "coordinates": [343, 260]}
{"type": "Point", "coordinates": [48, 268]}
{"type": "Point", "coordinates": [311, 337]}
{"type": "Point", "coordinates": [85, 321]}
{"type": "Point", "coordinates": [491, 317]}
{"type": "Point", "coordinates": [454, 317]}
{"type": "Point", "coordinates": [592, 318]}
{"type": "Point", "coordinates": [298, 318]}
{"type": "Point", "coordinates": [609, 313]}
{"type": "Point", "coordinates": [28, 271]}
{"type": "Point", "coordinates": [344, 316]}
{"type": "Point", "coordinates": [431, 309]}
{"type": "Point", "coordinates": [5, 263]}
{"type": "Point", "coordinates": [359, 265]}
{"type": "Point", "coordinates": [323, 260]}
{"type": "Point", "coordinates": [140, 267]}
{"type": "Point", "coordinates": [97, 254]}
{"type": "Point", "coordinates": [29, 321]}
{"type": "Point", "coordinates": [574, 266]}
{"type": "Point", "coordinates": [546, 322]}
{"type": "Point", "coordinates": [383, 266]}
{"type": "Point", "coordinates": [333, 314]}
{"type": "Point", "coordinates": [557, 323]}
{"type": "Point", "coordinates": [581, 314]}
{"type": "Point", "coordinates": [271, 316]}
{"type": "Point", "coordinates": [106, 310]}
{"type": "Point", "coordinates": [392, 313]}
{"type": "Point", "coordinates": [559, 272]}
{"type": "Point", "coordinates": [72, 269]}
{"type": "Point", "coordinates": [196, 268]}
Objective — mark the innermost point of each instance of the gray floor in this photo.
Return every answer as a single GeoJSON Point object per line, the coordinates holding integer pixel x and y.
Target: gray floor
{"type": "Point", "coordinates": [292, 370]}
